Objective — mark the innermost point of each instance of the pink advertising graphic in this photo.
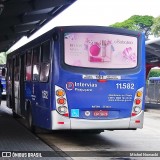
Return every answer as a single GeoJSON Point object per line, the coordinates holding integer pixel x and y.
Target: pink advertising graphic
{"type": "Point", "coordinates": [96, 50]}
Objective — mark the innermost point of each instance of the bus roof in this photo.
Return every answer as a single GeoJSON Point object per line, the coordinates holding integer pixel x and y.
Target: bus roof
{"type": "Point", "coordinates": [154, 78]}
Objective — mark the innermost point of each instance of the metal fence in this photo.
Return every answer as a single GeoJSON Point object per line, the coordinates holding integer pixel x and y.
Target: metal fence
{"type": "Point", "coordinates": [152, 93]}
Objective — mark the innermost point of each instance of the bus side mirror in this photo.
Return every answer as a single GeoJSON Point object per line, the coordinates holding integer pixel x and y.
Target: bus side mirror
{"type": "Point", "coordinates": [3, 72]}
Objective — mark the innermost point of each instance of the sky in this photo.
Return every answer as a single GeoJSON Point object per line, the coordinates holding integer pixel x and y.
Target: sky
{"type": "Point", "coordinates": [97, 12]}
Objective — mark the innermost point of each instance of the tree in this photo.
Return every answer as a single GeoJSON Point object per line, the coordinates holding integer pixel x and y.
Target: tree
{"type": "Point", "coordinates": [3, 58]}
{"type": "Point", "coordinates": [137, 23]}
{"type": "Point", "coordinates": [156, 27]}
{"type": "Point", "coordinates": [154, 73]}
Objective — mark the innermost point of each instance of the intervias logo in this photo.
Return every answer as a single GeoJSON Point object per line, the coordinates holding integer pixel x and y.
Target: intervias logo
{"type": "Point", "coordinates": [79, 86]}
{"type": "Point", "coordinates": [70, 86]}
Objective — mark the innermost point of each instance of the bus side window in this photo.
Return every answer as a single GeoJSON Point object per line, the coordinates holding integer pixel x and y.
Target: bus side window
{"type": "Point", "coordinates": [3, 72]}
{"type": "Point", "coordinates": [45, 61]}
{"type": "Point", "coordinates": [28, 65]}
{"type": "Point", "coordinates": [44, 72]}
{"type": "Point", "coordinates": [9, 69]}
{"type": "Point", "coordinates": [45, 52]}
{"type": "Point", "coordinates": [36, 66]}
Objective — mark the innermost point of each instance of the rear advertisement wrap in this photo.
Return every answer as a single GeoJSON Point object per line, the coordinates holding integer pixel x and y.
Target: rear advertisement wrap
{"type": "Point", "coordinates": [97, 50]}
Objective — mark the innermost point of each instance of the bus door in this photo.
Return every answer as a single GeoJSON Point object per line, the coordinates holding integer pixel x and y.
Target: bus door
{"type": "Point", "coordinates": [12, 100]}
{"type": "Point", "coordinates": [21, 81]}
{"type": "Point", "coordinates": [10, 83]}
{"type": "Point", "coordinates": [16, 86]}
{"type": "Point", "coordinates": [35, 83]}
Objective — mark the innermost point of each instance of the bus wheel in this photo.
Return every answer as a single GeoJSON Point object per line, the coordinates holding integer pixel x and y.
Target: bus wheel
{"type": "Point", "coordinates": [30, 121]}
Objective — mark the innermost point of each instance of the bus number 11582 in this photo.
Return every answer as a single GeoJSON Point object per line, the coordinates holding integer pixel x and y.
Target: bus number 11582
{"type": "Point", "coordinates": [125, 85]}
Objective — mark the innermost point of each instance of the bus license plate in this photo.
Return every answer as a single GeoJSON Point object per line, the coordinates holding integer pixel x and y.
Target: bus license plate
{"type": "Point", "coordinates": [100, 113]}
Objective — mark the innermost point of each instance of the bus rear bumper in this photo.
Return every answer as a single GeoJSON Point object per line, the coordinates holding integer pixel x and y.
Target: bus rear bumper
{"type": "Point", "coordinates": [137, 121]}
{"type": "Point", "coordinates": [61, 122]}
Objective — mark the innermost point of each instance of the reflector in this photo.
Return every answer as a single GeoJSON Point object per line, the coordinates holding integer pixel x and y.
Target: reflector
{"type": "Point", "coordinates": [137, 121]}
{"type": "Point", "coordinates": [134, 114]}
{"type": "Point", "coordinates": [60, 122]}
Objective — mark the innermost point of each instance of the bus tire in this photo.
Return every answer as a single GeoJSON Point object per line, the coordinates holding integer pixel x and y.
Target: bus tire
{"type": "Point", "coordinates": [30, 125]}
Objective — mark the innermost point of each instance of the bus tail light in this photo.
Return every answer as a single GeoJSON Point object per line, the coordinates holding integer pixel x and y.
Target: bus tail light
{"type": "Point", "coordinates": [62, 109]}
{"type": "Point", "coordinates": [61, 101]}
{"type": "Point", "coordinates": [137, 109]}
{"type": "Point", "coordinates": [60, 93]}
{"type": "Point", "coordinates": [137, 103]}
{"type": "Point", "coordinates": [139, 94]}
{"type": "Point", "coordinates": [133, 114]}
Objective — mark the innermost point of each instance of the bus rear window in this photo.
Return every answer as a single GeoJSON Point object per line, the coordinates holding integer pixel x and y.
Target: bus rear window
{"type": "Point", "coordinates": [99, 50]}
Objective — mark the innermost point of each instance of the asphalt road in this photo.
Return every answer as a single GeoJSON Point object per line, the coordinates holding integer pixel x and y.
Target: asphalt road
{"type": "Point", "coordinates": [89, 146]}
{"type": "Point", "coordinates": [119, 145]}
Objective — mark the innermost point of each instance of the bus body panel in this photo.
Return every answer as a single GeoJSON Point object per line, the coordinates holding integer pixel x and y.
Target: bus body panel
{"type": "Point", "coordinates": [90, 95]}
{"type": "Point", "coordinates": [39, 96]}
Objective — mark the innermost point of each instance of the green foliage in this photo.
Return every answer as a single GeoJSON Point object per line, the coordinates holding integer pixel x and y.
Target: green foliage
{"type": "Point", "coordinates": [127, 24]}
{"type": "Point", "coordinates": [3, 58]}
{"type": "Point", "coordinates": [137, 23]}
{"type": "Point", "coordinates": [156, 27]}
{"type": "Point", "coordinates": [154, 73]}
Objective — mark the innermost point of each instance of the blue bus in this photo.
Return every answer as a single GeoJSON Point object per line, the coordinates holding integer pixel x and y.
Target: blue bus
{"type": "Point", "coordinates": [3, 78]}
{"type": "Point", "coordinates": [79, 78]}
{"type": "Point", "coordinates": [154, 80]}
